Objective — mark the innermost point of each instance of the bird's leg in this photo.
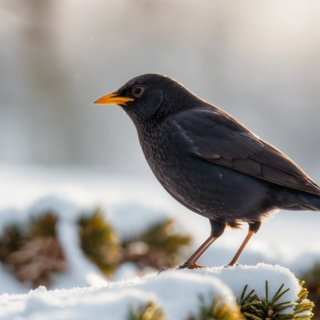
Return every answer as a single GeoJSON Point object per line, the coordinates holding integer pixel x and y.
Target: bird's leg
{"type": "Point", "coordinates": [217, 229]}
{"type": "Point", "coordinates": [253, 228]}
{"type": "Point", "coordinates": [236, 257]}
{"type": "Point", "coordinates": [191, 262]}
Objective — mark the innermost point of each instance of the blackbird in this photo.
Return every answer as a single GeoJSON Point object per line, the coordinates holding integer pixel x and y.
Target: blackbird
{"type": "Point", "coordinates": [210, 162]}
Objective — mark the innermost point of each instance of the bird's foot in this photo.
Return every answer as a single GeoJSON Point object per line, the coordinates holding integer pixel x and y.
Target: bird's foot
{"type": "Point", "coordinates": [184, 266]}
{"type": "Point", "coordinates": [190, 266]}
{"type": "Point", "coordinates": [232, 265]}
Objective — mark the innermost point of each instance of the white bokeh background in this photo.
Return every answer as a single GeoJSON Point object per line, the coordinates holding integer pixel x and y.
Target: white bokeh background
{"type": "Point", "coordinates": [258, 60]}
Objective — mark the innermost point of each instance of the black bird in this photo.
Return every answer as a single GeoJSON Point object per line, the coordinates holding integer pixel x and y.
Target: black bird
{"type": "Point", "coordinates": [210, 162]}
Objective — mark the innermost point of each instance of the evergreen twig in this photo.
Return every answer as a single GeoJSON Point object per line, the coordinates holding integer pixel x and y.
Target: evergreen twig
{"type": "Point", "coordinates": [149, 311]}
{"type": "Point", "coordinates": [99, 241]}
{"type": "Point", "coordinates": [268, 309]}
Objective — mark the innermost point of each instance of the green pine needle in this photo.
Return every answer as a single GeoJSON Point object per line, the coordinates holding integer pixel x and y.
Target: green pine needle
{"type": "Point", "coordinates": [264, 309]}
{"type": "Point", "coordinates": [218, 310]}
{"type": "Point", "coordinates": [43, 225]}
{"type": "Point", "coordinates": [162, 246]}
{"type": "Point", "coordinates": [99, 241]}
{"type": "Point", "coordinates": [149, 311]}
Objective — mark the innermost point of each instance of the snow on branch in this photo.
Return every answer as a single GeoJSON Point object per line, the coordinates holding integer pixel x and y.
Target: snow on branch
{"type": "Point", "coordinates": [243, 292]}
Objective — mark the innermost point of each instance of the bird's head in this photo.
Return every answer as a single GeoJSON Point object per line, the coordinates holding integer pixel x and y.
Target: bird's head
{"type": "Point", "coordinates": [149, 98]}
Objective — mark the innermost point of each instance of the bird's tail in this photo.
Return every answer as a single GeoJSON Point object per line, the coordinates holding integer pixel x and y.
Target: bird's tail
{"type": "Point", "coordinates": [289, 199]}
{"type": "Point", "coordinates": [310, 201]}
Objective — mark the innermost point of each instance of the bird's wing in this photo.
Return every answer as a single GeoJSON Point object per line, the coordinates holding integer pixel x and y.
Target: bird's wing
{"type": "Point", "coordinates": [217, 137]}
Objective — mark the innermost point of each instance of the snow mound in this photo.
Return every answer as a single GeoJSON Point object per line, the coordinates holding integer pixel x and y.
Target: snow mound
{"type": "Point", "coordinates": [255, 277]}
{"type": "Point", "coordinates": [177, 292]}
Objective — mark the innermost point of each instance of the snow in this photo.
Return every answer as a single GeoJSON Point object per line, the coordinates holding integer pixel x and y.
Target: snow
{"type": "Point", "coordinates": [8, 283]}
{"type": "Point", "coordinates": [129, 270]}
{"type": "Point", "coordinates": [255, 277]}
{"type": "Point", "coordinates": [131, 218]}
{"type": "Point", "coordinates": [132, 204]}
{"type": "Point", "coordinates": [177, 292]}
{"type": "Point", "coordinates": [80, 269]}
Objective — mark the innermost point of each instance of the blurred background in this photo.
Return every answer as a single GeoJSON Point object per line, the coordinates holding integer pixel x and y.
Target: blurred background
{"type": "Point", "coordinates": [257, 60]}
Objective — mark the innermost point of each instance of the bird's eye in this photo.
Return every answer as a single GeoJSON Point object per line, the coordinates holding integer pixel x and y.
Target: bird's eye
{"type": "Point", "coordinates": [137, 91]}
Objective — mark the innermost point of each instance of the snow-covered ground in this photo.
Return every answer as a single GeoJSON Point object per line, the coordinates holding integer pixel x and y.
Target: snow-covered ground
{"type": "Point", "coordinates": [177, 292]}
{"type": "Point", "coordinates": [290, 239]}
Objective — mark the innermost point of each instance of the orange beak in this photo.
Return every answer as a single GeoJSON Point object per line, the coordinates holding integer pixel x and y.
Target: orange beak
{"type": "Point", "coordinates": [112, 98]}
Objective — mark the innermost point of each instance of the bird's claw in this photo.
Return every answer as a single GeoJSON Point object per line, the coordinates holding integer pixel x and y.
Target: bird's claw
{"type": "Point", "coordinates": [190, 266]}
{"type": "Point", "coordinates": [232, 265]}
{"type": "Point", "coordinates": [184, 266]}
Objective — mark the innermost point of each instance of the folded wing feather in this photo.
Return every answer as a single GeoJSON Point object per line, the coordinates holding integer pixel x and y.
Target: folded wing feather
{"type": "Point", "coordinates": [218, 138]}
